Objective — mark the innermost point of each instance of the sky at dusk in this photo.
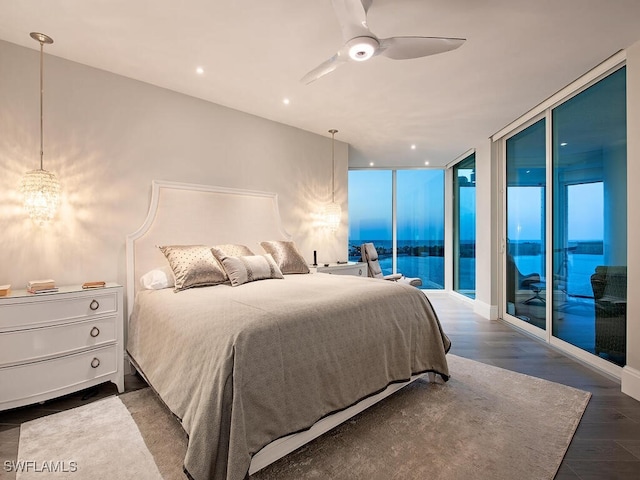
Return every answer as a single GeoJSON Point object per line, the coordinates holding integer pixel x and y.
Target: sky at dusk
{"type": "Point", "coordinates": [420, 204]}
{"type": "Point", "coordinates": [421, 208]}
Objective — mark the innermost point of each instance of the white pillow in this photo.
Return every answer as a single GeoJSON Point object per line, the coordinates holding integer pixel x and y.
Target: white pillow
{"type": "Point", "coordinates": [158, 278]}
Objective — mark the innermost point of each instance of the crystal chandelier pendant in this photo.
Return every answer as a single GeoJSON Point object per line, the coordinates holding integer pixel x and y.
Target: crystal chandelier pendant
{"type": "Point", "coordinates": [332, 216]}
{"type": "Point", "coordinates": [332, 213]}
{"type": "Point", "coordinates": [41, 193]}
{"type": "Point", "coordinates": [40, 189]}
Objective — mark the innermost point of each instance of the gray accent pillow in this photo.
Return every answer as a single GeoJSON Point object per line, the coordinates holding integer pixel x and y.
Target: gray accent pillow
{"type": "Point", "coordinates": [286, 255]}
{"type": "Point", "coordinates": [247, 269]}
{"type": "Point", "coordinates": [193, 266]}
{"type": "Point", "coordinates": [230, 250]}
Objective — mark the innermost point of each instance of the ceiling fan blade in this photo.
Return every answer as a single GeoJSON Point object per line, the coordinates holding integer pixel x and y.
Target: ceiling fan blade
{"type": "Point", "coordinates": [352, 17]}
{"type": "Point", "coordinates": [325, 67]}
{"type": "Point", "coordinates": [403, 48]}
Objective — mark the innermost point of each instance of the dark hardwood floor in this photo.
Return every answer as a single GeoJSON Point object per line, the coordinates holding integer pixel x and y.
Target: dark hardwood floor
{"type": "Point", "coordinates": [606, 445]}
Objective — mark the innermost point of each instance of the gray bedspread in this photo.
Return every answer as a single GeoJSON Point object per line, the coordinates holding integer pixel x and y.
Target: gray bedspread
{"type": "Point", "coordinates": [243, 366]}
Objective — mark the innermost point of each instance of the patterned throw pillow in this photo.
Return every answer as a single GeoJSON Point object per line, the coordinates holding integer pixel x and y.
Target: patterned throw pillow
{"type": "Point", "coordinates": [230, 250]}
{"type": "Point", "coordinates": [287, 256]}
{"type": "Point", "coordinates": [193, 266]}
{"type": "Point", "coordinates": [247, 269]}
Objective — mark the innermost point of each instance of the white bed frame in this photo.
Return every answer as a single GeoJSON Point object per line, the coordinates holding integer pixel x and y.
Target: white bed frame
{"type": "Point", "coordinates": [182, 213]}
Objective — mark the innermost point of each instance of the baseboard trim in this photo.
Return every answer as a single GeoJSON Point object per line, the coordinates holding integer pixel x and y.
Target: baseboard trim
{"type": "Point", "coordinates": [486, 310]}
{"type": "Point", "coordinates": [630, 380]}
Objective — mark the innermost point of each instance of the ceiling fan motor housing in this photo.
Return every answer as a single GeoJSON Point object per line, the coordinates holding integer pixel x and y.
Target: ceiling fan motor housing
{"type": "Point", "coordinates": [362, 48]}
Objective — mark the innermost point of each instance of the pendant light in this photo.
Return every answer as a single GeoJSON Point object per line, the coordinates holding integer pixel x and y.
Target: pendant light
{"type": "Point", "coordinates": [333, 211]}
{"type": "Point", "coordinates": [40, 188]}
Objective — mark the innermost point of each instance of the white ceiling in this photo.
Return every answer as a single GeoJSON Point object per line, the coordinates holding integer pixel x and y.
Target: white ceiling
{"type": "Point", "coordinates": [254, 52]}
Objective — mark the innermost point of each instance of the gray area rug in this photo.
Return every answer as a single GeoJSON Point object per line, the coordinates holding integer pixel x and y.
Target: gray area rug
{"type": "Point", "coordinates": [98, 441]}
{"type": "Point", "coordinates": [485, 423]}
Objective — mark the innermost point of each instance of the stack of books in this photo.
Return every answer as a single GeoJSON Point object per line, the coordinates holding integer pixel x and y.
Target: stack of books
{"type": "Point", "coordinates": [42, 286]}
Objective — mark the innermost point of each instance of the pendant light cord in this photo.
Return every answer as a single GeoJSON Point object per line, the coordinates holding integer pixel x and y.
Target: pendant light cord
{"type": "Point", "coordinates": [41, 100]}
{"type": "Point", "coordinates": [333, 164]}
{"type": "Point", "coordinates": [41, 38]}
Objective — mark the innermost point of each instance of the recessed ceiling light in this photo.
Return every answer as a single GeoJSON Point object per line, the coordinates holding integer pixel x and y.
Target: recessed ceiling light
{"type": "Point", "coordinates": [199, 70]}
{"type": "Point", "coordinates": [413, 147]}
{"type": "Point", "coordinates": [285, 101]}
{"type": "Point", "coordinates": [371, 164]}
{"type": "Point", "coordinates": [426, 163]}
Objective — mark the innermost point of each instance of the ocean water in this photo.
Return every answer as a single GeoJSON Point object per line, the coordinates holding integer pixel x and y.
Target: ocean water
{"type": "Point", "coordinates": [430, 269]}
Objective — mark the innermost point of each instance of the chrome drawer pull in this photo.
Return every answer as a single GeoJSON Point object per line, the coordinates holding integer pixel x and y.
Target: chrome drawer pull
{"type": "Point", "coordinates": [94, 305]}
{"type": "Point", "coordinates": [95, 363]}
{"type": "Point", "coordinates": [95, 331]}
{"type": "Point", "coordinates": [360, 272]}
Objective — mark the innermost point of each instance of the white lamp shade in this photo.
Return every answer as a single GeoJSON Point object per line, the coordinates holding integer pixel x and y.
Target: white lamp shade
{"type": "Point", "coordinates": [41, 195]}
{"type": "Point", "coordinates": [332, 216]}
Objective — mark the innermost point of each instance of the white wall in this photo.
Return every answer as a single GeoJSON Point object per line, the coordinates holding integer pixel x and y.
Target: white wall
{"type": "Point", "coordinates": [631, 373]}
{"type": "Point", "coordinates": [107, 137]}
{"type": "Point", "coordinates": [486, 303]}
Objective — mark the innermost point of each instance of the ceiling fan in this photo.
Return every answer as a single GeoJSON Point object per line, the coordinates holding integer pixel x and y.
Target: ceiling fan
{"type": "Point", "coordinates": [361, 44]}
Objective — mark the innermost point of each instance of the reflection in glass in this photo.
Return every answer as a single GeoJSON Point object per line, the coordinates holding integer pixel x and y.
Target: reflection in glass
{"type": "Point", "coordinates": [525, 225]}
{"type": "Point", "coordinates": [589, 219]}
{"type": "Point", "coordinates": [464, 226]}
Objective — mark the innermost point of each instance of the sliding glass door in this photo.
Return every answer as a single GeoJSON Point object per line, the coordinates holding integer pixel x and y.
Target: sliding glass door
{"type": "Point", "coordinates": [525, 225]}
{"type": "Point", "coordinates": [590, 219]}
{"type": "Point", "coordinates": [565, 223]}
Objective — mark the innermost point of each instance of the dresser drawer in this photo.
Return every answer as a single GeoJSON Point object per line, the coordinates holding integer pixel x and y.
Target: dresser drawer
{"type": "Point", "coordinates": [21, 346]}
{"type": "Point", "coordinates": [46, 377]}
{"type": "Point", "coordinates": [49, 309]}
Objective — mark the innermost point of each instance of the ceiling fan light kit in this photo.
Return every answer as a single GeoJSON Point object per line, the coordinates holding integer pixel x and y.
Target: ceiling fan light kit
{"type": "Point", "coordinates": [362, 48]}
{"type": "Point", "coordinates": [360, 44]}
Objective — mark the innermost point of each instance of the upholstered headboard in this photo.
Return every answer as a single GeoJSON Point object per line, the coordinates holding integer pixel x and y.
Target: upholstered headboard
{"type": "Point", "coordinates": [189, 214]}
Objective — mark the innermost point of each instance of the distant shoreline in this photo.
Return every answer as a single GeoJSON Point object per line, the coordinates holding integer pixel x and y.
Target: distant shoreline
{"type": "Point", "coordinates": [435, 248]}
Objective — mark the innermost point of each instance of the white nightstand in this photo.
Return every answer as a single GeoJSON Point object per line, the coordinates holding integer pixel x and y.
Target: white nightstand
{"type": "Point", "coordinates": [52, 344]}
{"type": "Point", "coordinates": [358, 269]}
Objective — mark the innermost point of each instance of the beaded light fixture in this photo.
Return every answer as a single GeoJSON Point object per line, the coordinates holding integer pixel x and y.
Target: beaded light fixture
{"type": "Point", "coordinates": [333, 212]}
{"type": "Point", "coordinates": [40, 189]}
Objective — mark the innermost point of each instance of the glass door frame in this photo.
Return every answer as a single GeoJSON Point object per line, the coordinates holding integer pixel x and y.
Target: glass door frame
{"type": "Point", "coordinates": [502, 155]}
{"type": "Point", "coordinates": [452, 225]}
{"type": "Point", "coordinates": [544, 110]}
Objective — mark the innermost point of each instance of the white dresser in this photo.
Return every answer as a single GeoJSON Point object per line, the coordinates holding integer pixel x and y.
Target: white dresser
{"type": "Point", "coordinates": [52, 344]}
{"type": "Point", "coordinates": [358, 269]}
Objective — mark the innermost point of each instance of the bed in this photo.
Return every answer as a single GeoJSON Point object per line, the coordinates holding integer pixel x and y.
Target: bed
{"type": "Point", "coordinates": [255, 370]}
